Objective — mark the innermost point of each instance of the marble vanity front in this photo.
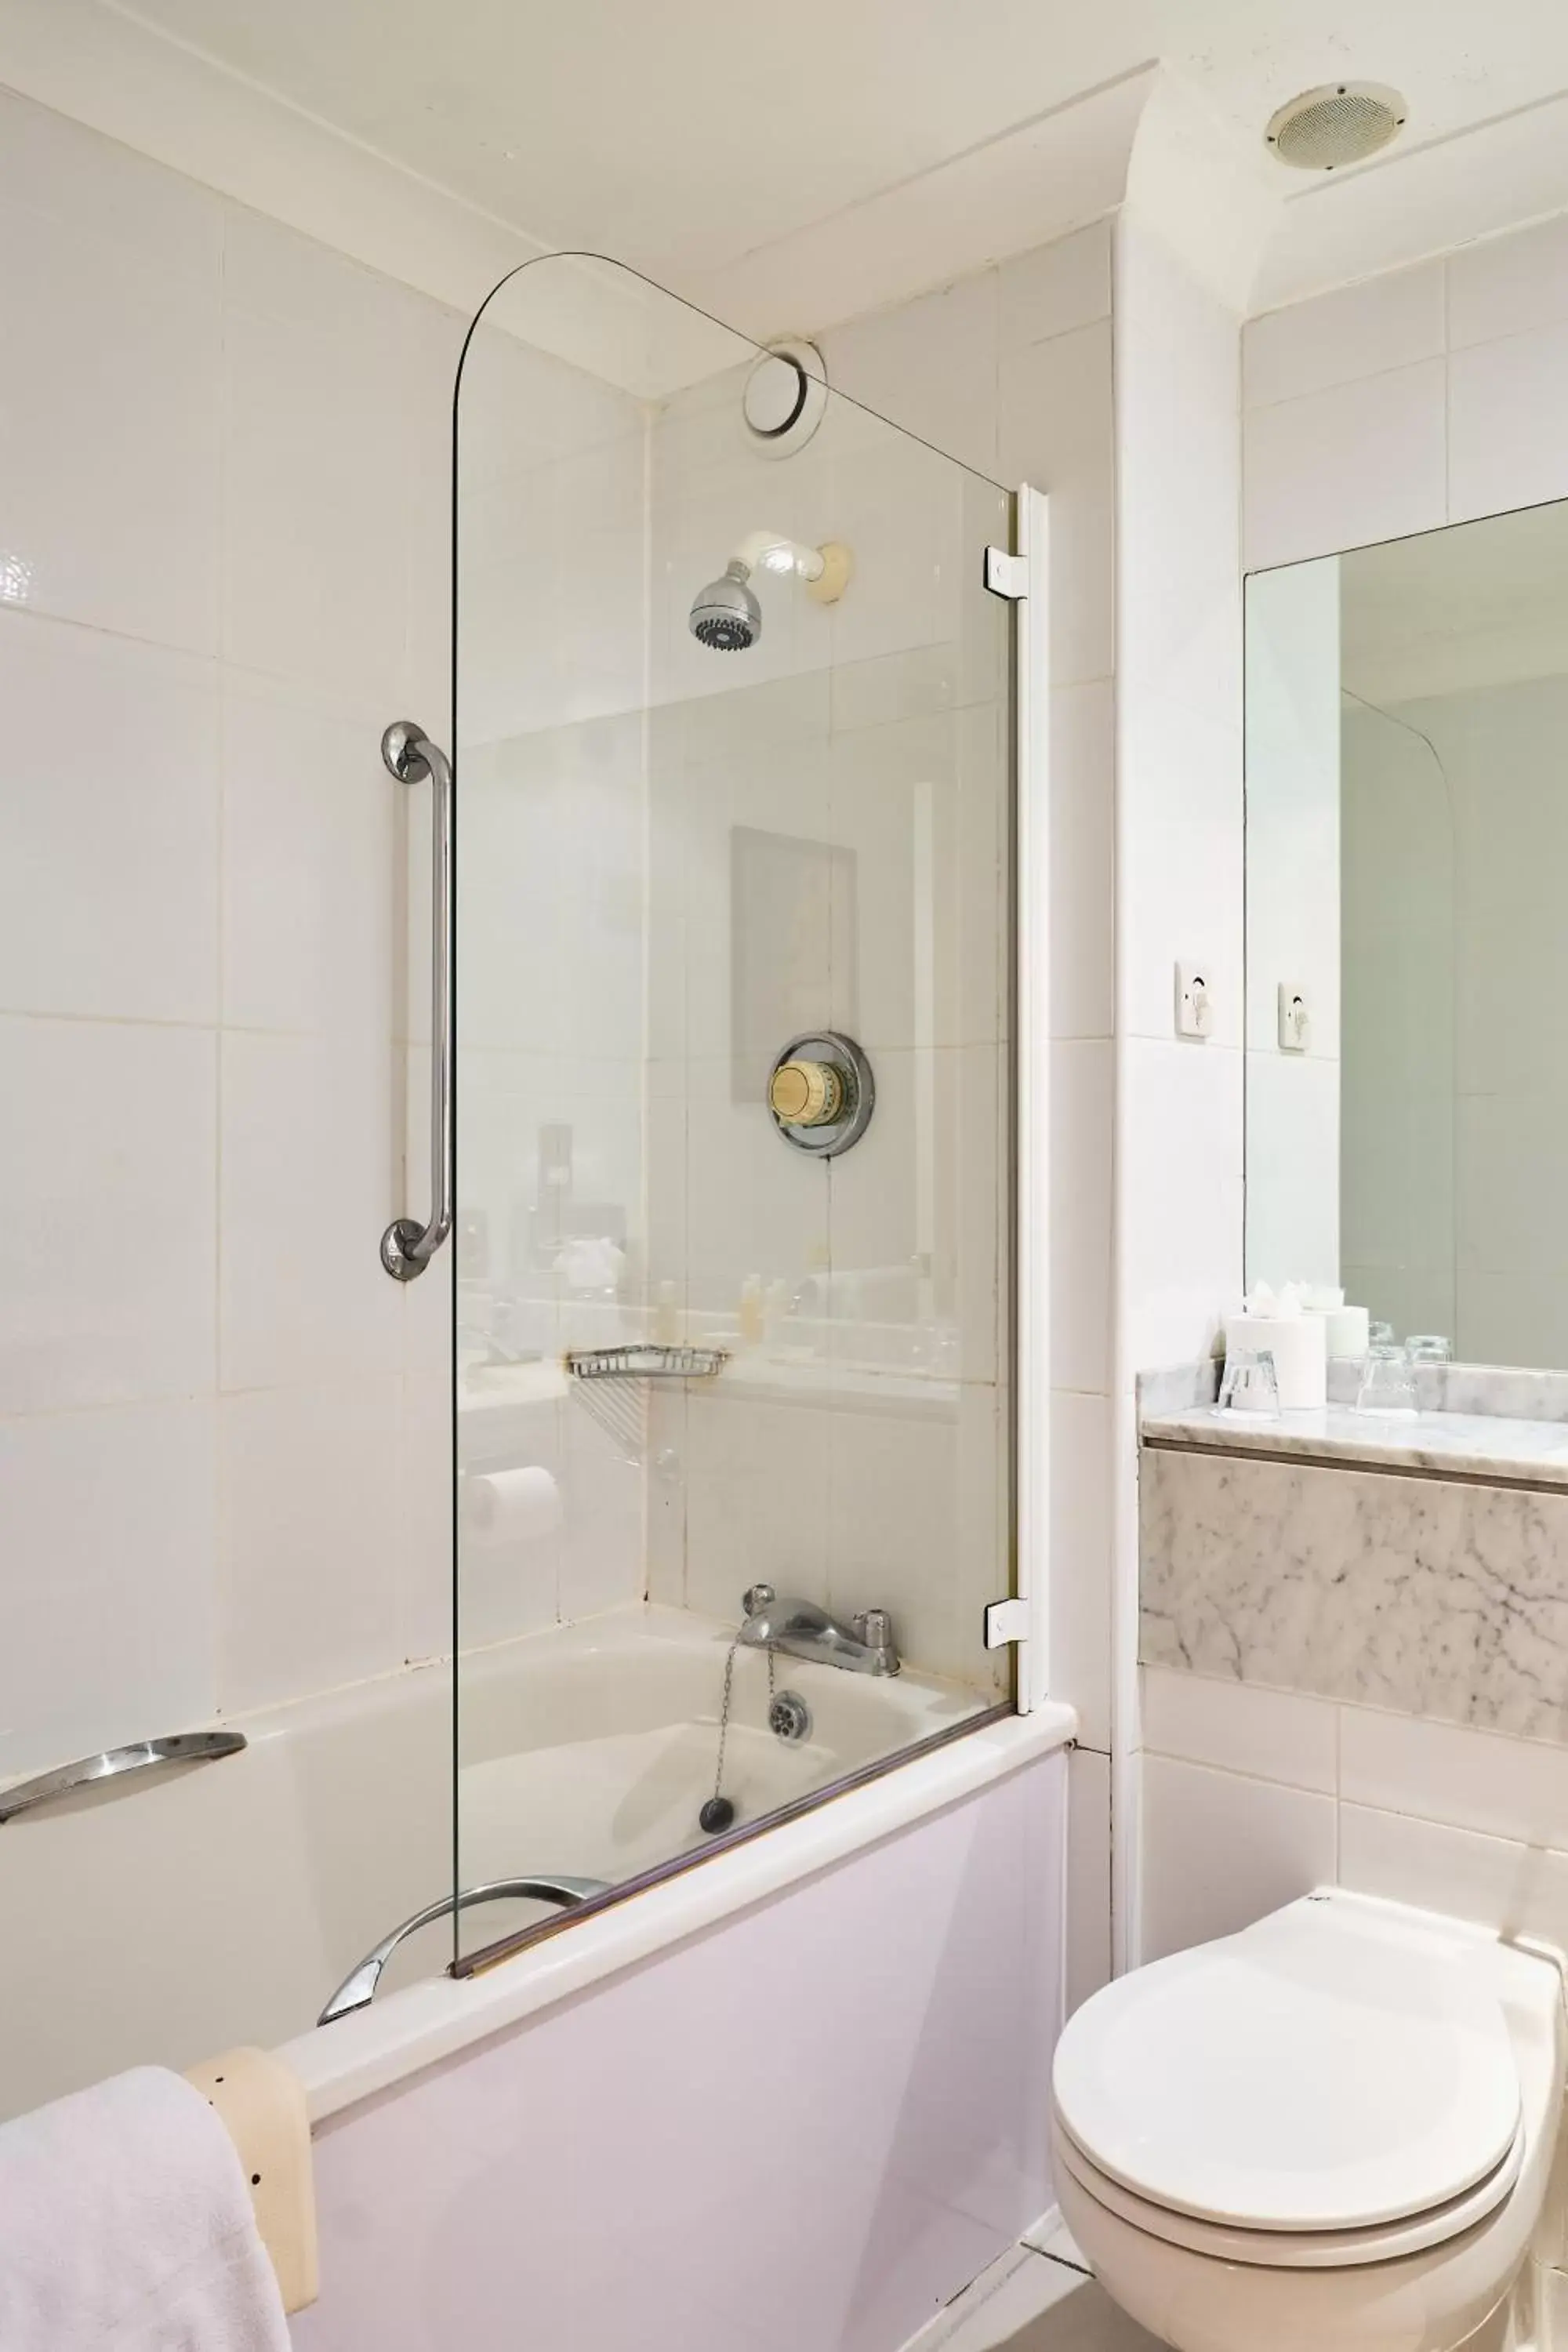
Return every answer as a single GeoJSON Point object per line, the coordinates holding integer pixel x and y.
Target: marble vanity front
{"type": "Point", "coordinates": [1419, 1565]}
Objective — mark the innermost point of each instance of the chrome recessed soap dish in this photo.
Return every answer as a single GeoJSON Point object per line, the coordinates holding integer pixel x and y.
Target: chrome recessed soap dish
{"type": "Point", "coordinates": [646, 1362]}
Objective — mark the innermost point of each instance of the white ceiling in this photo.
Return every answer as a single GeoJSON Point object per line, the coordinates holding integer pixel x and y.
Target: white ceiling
{"type": "Point", "coordinates": [725, 149]}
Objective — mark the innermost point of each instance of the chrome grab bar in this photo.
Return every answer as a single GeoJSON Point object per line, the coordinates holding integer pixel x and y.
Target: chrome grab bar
{"type": "Point", "coordinates": [358, 1987]}
{"type": "Point", "coordinates": [112, 1763]}
{"type": "Point", "coordinates": [406, 1245]}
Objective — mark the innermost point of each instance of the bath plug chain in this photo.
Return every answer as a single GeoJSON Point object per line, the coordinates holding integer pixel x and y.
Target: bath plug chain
{"type": "Point", "coordinates": [718, 1813]}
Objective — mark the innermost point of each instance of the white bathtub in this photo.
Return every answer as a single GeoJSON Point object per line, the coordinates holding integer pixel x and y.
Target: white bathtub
{"type": "Point", "coordinates": [224, 1903]}
{"type": "Point", "coordinates": [799, 2096]}
{"type": "Point", "coordinates": [591, 1750]}
{"type": "Point", "coordinates": [796, 2095]}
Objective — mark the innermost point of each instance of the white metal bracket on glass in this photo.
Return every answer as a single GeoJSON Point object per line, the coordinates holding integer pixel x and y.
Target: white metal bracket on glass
{"type": "Point", "coordinates": [1007, 1622]}
{"type": "Point", "coordinates": [1006, 575]}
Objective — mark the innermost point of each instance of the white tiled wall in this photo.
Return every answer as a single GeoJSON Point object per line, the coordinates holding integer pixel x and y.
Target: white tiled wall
{"type": "Point", "coordinates": [1179, 824]}
{"type": "Point", "coordinates": [879, 726]}
{"type": "Point", "coordinates": [1252, 1797]}
{"type": "Point", "coordinates": [1428, 396]}
{"type": "Point", "coordinates": [1179, 882]}
{"type": "Point", "coordinates": [1013, 371]}
{"type": "Point", "coordinates": [887, 724]}
{"type": "Point", "coordinates": [222, 572]}
{"type": "Point", "coordinates": [551, 943]}
{"type": "Point", "coordinates": [1293, 794]}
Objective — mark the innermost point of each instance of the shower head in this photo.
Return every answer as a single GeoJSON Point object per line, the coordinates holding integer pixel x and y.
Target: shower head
{"type": "Point", "coordinates": [725, 615]}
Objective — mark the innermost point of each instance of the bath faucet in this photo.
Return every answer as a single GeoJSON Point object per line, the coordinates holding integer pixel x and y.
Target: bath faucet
{"type": "Point", "coordinates": [801, 1629]}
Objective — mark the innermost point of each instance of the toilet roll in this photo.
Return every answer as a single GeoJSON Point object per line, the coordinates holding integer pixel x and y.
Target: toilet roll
{"type": "Point", "coordinates": [512, 1506]}
{"type": "Point", "coordinates": [1298, 1344]}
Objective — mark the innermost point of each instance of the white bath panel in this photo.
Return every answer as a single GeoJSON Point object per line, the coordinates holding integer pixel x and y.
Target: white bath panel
{"type": "Point", "coordinates": [479, 2188]}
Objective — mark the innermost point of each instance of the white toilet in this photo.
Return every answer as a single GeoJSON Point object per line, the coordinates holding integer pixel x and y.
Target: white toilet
{"type": "Point", "coordinates": [1333, 2132]}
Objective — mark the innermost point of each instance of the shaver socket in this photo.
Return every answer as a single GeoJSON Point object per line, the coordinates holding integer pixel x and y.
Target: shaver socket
{"type": "Point", "coordinates": [1195, 1005]}
{"type": "Point", "coordinates": [1295, 1019]}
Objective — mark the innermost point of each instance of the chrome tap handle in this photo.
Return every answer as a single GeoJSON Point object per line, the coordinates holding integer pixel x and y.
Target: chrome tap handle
{"type": "Point", "coordinates": [756, 1598]}
{"type": "Point", "coordinates": [406, 1245]}
{"type": "Point", "coordinates": [358, 1987]}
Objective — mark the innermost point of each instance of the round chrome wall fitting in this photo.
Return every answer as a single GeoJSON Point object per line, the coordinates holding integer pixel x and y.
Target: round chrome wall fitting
{"type": "Point", "coordinates": [398, 754]}
{"type": "Point", "coordinates": [786, 398]}
{"type": "Point", "coordinates": [821, 1093]}
{"type": "Point", "coordinates": [1341, 123]}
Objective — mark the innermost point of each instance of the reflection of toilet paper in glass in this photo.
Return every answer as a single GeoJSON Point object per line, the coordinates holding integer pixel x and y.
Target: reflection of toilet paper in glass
{"type": "Point", "coordinates": [512, 1506]}
{"type": "Point", "coordinates": [1347, 1328]}
{"type": "Point", "coordinates": [1350, 1331]}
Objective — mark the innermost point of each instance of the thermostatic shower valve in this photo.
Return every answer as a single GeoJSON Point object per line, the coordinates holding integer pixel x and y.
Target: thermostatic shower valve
{"type": "Point", "coordinates": [821, 1093]}
{"type": "Point", "coordinates": [807, 1093]}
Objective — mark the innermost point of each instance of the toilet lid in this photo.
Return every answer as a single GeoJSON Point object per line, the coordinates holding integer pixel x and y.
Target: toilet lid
{"type": "Point", "coordinates": [1313, 2073]}
{"type": "Point", "coordinates": [1382, 2241]}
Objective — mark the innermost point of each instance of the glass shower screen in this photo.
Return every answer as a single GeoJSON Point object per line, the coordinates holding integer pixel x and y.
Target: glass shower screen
{"type": "Point", "coordinates": [733, 1086]}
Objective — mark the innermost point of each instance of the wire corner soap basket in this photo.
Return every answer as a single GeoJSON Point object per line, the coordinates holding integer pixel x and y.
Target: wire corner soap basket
{"type": "Point", "coordinates": [645, 1361]}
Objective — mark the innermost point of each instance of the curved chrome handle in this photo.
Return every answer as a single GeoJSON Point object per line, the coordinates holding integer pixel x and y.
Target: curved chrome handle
{"type": "Point", "coordinates": [358, 1987]}
{"type": "Point", "coordinates": [141, 1756]}
{"type": "Point", "coordinates": [406, 1245]}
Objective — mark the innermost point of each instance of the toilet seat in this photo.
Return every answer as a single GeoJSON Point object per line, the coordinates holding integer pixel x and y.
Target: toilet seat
{"type": "Point", "coordinates": [1300, 2249]}
{"type": "Point", "coordinates": [1320, 2088]}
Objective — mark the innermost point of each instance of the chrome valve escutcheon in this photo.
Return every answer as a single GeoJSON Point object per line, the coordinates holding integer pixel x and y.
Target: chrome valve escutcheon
{"type": "Point", "coordinates": [821, 1093]}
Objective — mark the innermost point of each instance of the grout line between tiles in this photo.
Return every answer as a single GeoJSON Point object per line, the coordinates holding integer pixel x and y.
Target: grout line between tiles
{"type": "Point", "coordinates": [1339, 1778]}
{"type": "Point", "coordinates": [1250, 1772]}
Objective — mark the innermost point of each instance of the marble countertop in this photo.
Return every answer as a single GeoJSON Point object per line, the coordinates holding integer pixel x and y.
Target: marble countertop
{"type": "Point", "coordinates": [1470, 1444]}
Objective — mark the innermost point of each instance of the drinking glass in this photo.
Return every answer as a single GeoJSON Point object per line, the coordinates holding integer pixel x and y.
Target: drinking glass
{"type": "Point", "coordinates": [1387, 1383]}
{"type": "Point", "coordinates": [1250, 1384]}
{"type": "Point", "coordinates": [1428, 1347]}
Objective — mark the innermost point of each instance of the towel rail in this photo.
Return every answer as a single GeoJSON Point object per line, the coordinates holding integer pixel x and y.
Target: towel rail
{"type": "Point", "coordinates": [406, 1245]}
{"type": "Point", "coordinates": [113, 1763]}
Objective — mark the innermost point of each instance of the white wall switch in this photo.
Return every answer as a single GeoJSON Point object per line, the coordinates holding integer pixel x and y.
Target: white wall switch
{"type": "Point", "coordinates": [1195, 1005]}
{"type": "Point", "coordinates": [1295, 1019]}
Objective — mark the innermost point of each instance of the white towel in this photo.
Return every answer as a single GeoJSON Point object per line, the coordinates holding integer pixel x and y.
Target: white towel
{"type": "Point", "coordinates": [126, 2226]}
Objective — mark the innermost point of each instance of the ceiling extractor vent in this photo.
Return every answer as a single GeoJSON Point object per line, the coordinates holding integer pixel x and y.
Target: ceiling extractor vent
{"type": "Point", "coordinates": [1344, 123]}
{"type": "Point", "coordinates": [786, 398]}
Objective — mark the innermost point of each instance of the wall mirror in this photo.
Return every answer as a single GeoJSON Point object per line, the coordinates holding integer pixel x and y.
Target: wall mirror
{"type": "Point", "coordinates": [1407, 932]}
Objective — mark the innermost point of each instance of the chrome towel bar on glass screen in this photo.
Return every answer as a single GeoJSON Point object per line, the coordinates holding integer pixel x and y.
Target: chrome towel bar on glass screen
{"type": "Point", "coordinates": [359, 1986]}
{"type": "Point", "coordinates": [406, 1245]}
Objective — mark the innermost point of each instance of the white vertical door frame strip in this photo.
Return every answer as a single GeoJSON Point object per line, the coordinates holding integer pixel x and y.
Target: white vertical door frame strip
{"type": "Point", "coordinates": [1031, 754]}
